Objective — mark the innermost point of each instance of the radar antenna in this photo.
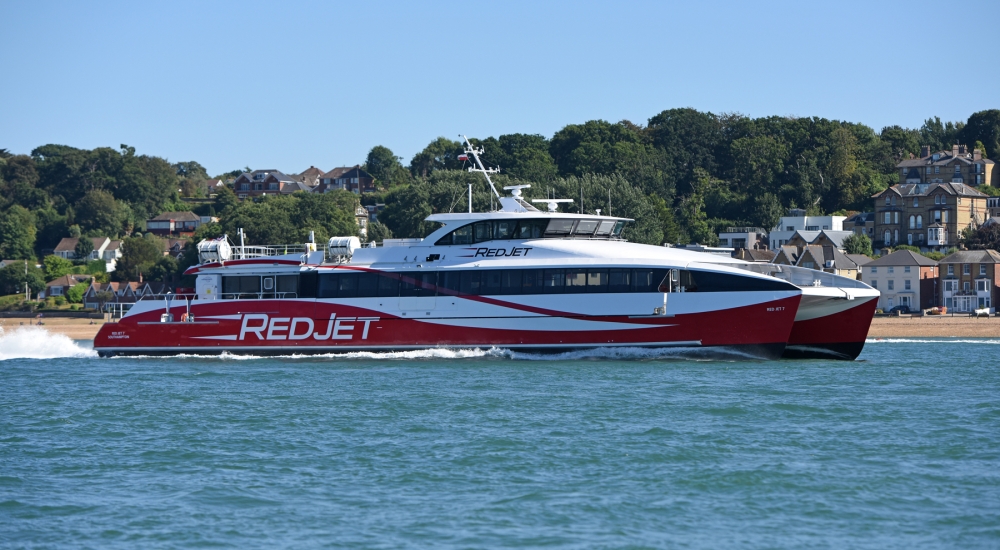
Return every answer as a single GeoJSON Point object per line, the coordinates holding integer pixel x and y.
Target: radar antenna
{"type": "Point", "coordinates": [552, 203]}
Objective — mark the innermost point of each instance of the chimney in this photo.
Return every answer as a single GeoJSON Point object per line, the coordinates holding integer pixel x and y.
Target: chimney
{"type": "Point", "coordinates": [961, 150]}
{"type": "Point", "coordinates": [925, 151]}
{"type": "Point", "coordinates": [954, 150]}
{"type": "Point", "coordinates": [977, 154]}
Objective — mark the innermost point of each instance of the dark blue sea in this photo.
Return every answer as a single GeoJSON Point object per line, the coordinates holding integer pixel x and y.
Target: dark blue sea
{"type": "Point", "coordinates": [488, 449]}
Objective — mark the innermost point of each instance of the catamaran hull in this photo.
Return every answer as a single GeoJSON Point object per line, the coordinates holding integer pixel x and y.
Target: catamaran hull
{"type": "Point", "coordinates": [283, 327]}
{"type": "Point", "coordinates": [831, 327]}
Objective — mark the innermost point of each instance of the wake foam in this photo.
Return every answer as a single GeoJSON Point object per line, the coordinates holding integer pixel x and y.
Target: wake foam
{"type": "Point", "coordinates": [617, 353]}
{"type": "Point", "coordinates": [33, 342]}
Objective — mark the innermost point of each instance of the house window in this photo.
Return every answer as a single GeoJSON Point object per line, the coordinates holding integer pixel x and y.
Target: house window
{"type": "Point", "coordinates": [944, 216]}
{"type": "Point", "coordinates": [258, 177]}
{"type": "Point", "coordinates": [913, 222]}
{"type": "Point", "coordinates": [958, 169]}
{"type": "Point", "coordinates": [258, 187]}
{"type": "Point", "coordinates": [887, 201]}
{"type": "Point", "coordinates": [895, 236]}
{"type": "Point", "coordinates": [272, 186]}
{"type": "Point", "coordinates": [966, 286]}
{"type": "Point", "coordinates": [723, 242]}
{"type": "Point", "coordinates": [887, 218]}
{"type": "Point", "coordinates": [937, 199]}
{"type": "Point", "coordinates": [244, 187]}
{"type": "Point", "coordinates": [890, 287]}
{"type": "Point", "coordinates": [937, 216]}
{"type": "Point", "coordinates": [916, 202]}
{"type": "Point", "coordinates": [937, 169]}
{"type": "Point", "coordinates": [906, 269]}
{"type": "Point", "coordinates": [812, 228]}
{"type": "Point", "coordinates": [949, 286]}
{"type": "Point", "coordinates": [891, 270]}
{"type": "Point", "coordinates": [874, 284]}
{"type": "Point", "coordinates": [894, 200]}
{"type": "Point", "coordinates": [928, 170]}
{"type": "Point", "coordinates": [888, 236]}
{"type": "Point", "coordinates": [242, 195]}
{"type": "Point", "coordinates": [789, 228]}
{"type": "Point", "coordinates": [874, 269]}
{"type": "Point", "coordinates": [966, 269]}
{"type": "Point", "coordinates": [951, 269]}
{"type": "Point", "coordinates": [980, 286]}
{"type": "Point", "coordinates": [906, 284]}
{"type": "Point", "coordinates": [982, 269]}
{"type": "Point", "coordinates": [959, 200]}
{"type": "Point", "coordinates": [920, 223]}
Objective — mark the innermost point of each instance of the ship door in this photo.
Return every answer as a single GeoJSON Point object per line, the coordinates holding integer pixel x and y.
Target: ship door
{"type": "Point", "coordinates": [207, 287]}
{"type": "Point", "coordinates": [417, 293]}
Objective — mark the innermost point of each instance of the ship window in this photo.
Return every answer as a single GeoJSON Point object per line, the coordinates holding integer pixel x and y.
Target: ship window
{"type": "Point", "coordinates": [450, 282]}
{"type": "Point", "coordinates": [647, 280]}
{"type": "Point", "coordinates": [462, 235]}
{"type": "Point", "coordinates": [504, 229]}
{"type": "Point", "coordinates": [559, 226]}
{"type": "Point", "coordinates": [418, 283]}
{"type": "Point", "coordinates": [511, 283]}
{"type": "Point", "coordinates": [470, 282]}
{"type": "Point", "coordinates": [618, 228]}
{"type": "Point", "coordinates": [308, 282]}
{"type": "Point", "coordinates": [482, 231]}
{"type": "Point", "coordinates": [605, 228]}
{"type": "Point", "coordinates": [287, 284]}
{"type": "Point", "coordinates": [597, 280]}
{"type": "Point", "coordinates": [367, 285]}
{"type": "Point", "coordinates": [530, 229]}
{"type": "Point", "coordinates": [576, 279]}
{"type": "Point", "coordinates": [246, 286]}
{"type": "Point", "coordinates": [619, 280]}
{"type": "Point", "coordinates": [388, 285]}
{"type": "Point", "coordinates": [268, 283]}
{"type": "Point", "coordinates": [553, 281]}
{"type": "Point", "coordinates": [491, 282]}
{"type": "Point", "coordinates": [531, 281]}
{"type": "Point", "coordinates": [348, 285]}
{"type": "Point", "coordinates": [586, 227]}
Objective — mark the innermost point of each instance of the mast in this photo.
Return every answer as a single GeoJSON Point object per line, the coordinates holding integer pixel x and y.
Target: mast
{"type": "Point", "coordinates": [485, 171]}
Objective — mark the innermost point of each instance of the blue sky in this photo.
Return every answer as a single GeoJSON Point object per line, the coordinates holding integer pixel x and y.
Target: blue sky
{"type": "Point", "coordinates": [293, 84]}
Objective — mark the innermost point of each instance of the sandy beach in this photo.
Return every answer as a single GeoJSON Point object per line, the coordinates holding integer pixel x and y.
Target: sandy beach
{"type": "Point", "coordinates": [882, 327]}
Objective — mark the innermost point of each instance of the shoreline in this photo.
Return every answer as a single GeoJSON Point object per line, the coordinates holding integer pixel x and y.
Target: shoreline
{"type": "Point", "coordinates": [882, 327]}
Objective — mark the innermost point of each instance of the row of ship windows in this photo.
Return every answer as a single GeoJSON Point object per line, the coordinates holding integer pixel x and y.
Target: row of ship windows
{"type": "Point", "coordinates": [490, 282]}
{"type": "Point", "coordinates": [532, 229]}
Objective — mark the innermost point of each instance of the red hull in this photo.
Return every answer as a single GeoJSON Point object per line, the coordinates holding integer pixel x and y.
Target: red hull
{"type": "Point", "coordinates": [287, 326]}
{"type": "Point", "coordinates": [838, 336]}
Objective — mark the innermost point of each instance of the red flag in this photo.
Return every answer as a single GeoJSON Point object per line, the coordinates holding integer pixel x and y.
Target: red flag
{"type": "Point", "coordinates": [463, 157]}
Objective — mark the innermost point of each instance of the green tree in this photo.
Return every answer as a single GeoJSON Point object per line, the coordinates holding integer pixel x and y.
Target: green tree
{"type": "Point", "coordinates": [440, 154]}
{"type": "Point", "coordinates": [84, 246]}
{"type": "Point", "coordinates": [405, 210]}
{"type": "Point", "coordinates": [940, 135]}
{"type": "Point", "coordinates": [56, 267]}
{"type": "Point", "coordinates": [165, 269]}
{"type": "Point", "coordinates": [13, 277]}
{"type": "Point", "coordinates": [100, 211]}
{"type": "Point", "coordinates": [139, 254]}
{"type": "Point", "coordinates": [384, 166]}
{"type": "Point", "coordinates": [225, 199]}
{"type": "Point", "coordinates": [858, 243]}
{"type": "Point", "coordinates": [522, 156]}
{"type": "Point", "coordinates": [901, 141]}
{"type": "Point", "coordinates": [17, 234]}
{"type": "Point", "coordinates": [378, 232]}
{"type": "Point", "coordinates": [76, 292]}
{"type": "Point", "coordinates": [627, 201]}
{"type": "Point", "coordinates": [983, 127]}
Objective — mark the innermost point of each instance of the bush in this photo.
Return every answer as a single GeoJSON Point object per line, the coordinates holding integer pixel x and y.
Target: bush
{"type": "Point", "coordinates": [60, 300]}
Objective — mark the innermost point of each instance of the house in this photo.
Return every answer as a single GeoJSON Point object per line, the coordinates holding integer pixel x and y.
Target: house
{"type": "Point", "coordinates": [60, 286]}
{"type": "Point", "coordinates": [263, 182]}
{"type": "Point", "coordinates": [860, 260]}
{"type": "Point", "coordinates": [361, 217]}
{"type": "Point", "coordinates": [310, 176]}
{"type": "Point", "coordinates": [173, 223]}
{"type": "Point", "coordinates": [373, 210]}
{"type": "Point", "coordinates": [175, 247]}
{"type": "Point", "coordinates": [5, 263]}
{"type": "Point", "coordinates": [828, 259]}
{"type": "Point", "coordinates": [755, 256]}
{"type": "Point", "coordinates": [797, 220]}
{"type": "Point", "coordinates": [969, 279]}
{"type": "Point", "coordinates": [835, 239]}
{"type": "Point", "coordinates": [927, 215]}
{"type": "Point", "coordinates": [352, 179]}
{"type": "Point", "coordinates": [903, 278]}
{"type": "Point", "coordinates": [66, 249]}
{"type": "Point", "coordinates": [754, 238]}
{"type": "Point", "coordinates": [956, 166]}
{"type": "Point", "coordinates": [210, 188]}
{"type": "Point", "coordinates": [862, 223]}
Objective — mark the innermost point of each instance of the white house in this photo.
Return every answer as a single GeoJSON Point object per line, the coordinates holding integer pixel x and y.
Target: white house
{"type": "Point", "coordinates": [797, 220]}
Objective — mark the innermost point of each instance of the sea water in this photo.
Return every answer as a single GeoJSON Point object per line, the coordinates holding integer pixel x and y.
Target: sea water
{"type": "Point", "coordinates": [488, 448]}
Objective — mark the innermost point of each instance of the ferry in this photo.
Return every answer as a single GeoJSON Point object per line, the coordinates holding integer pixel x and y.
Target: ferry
{"type": "Point", "coordinates": [520, 278]}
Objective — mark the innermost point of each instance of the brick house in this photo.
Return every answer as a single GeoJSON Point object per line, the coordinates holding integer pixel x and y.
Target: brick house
{"type": "Point", "coordinates": [60, 286]}
{"type": "Point", "coordinates": [926, 215]}
{"type": "Point", "coordinates": [825, 258]}
{"type": "Point", "coordinates": [903, 279]}
{"type": "Point", "coordinates": [266, 182]}
{"type": "Point", "coordinates": [174, 223]}
{"type": "Point", "coordinates": [352, 179]}
{"type": "Point", "coordinates": [969, 279]}
{"type": "Point", "coordinates": [862, 223]}
{"type": "Point", "coordinates": [957, 166]}
{"type": "Point", "coordinates": [310, 176]}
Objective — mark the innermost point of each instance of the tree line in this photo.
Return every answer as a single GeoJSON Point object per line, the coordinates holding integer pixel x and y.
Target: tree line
{"type": "Point", "coordinates": [683, 176]}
